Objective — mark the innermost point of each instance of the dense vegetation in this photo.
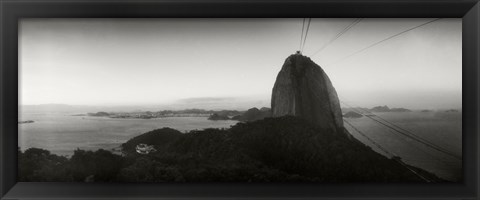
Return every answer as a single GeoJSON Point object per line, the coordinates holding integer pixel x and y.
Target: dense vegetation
{"type": "Point", "coordinates": [251, 114]}
{"type": "Point", "coordinates": [254, 114]}
{"type": "Point", "coordinates": [268, 150]}
{"type": "Point", "coordinates": [39, 165]}
{"type": "Point", "coordinates": [216, 116]}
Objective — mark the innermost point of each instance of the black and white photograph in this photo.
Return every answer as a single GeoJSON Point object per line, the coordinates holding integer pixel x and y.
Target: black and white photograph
{"type": "Point", "coordinates": [249, 100]}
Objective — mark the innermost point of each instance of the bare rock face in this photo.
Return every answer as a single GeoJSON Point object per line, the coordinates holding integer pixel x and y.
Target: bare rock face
{"type": "Point", "coordinates": [303, 89]}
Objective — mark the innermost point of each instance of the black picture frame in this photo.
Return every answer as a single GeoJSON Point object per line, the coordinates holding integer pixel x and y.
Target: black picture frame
{"type": "Point", "coordinates": [13, 10]}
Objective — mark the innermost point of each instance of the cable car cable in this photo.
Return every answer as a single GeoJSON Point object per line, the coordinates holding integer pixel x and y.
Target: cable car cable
{"type": "Point", "coordinates": [306, 33]}
{"type": "Point", "coordinates": [351, 25]}
{"type": "Point", "coordinates": [383, 40]}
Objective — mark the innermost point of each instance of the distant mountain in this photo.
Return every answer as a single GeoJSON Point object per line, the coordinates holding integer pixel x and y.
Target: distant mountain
{"type": "Point", "coordinates": [228, 112]}
{"type": "Point", "coordinates": [387, 109]}
{"type": "Point", "coordinates": [380, 109]}
{"type": "Point", "coordinates": [352, 114]}
{"type": "Point", "coordinates": [452, 110]}
{"type": "Point", "coordinates": [400, 110]}
{"type": "Point", "coordinates": [216, 103]}
{"type": "Point", "coordinates": [99, 114]}
{"type": "Point", "coordinates": [265, 109]}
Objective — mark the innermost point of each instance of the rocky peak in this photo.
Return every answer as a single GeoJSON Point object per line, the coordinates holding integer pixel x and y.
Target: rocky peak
{"type": "Point", "coordinates": [303, 89]}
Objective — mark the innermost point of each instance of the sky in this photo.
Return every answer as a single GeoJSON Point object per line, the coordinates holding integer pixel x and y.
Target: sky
{"type": "Point", "coordinates": [234, 62]}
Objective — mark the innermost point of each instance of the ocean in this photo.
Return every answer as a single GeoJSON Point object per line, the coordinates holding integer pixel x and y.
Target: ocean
{"type": "Point", "coordinates": [444, 129]}
{"type": "Point", "coordinates": [61, 133]}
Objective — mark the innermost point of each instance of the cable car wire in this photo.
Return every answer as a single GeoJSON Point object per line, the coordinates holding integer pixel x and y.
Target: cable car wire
{"type": "Point", "coordinates": [383, 40]}
{"type": "Point", "coordinates": [306, 33]}
{"type": "Point", "coordinates": [301, 36]}
{"type": "Point", "coordinates": [343, 31]}
{"type": "Point", "coordinates": [393, 156]}
{"type": "Point", "coordinates": [409, 134]}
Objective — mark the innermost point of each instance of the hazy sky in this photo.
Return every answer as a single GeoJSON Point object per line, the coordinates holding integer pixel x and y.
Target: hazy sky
{"type": "Point", "coordinates": [161, 61]}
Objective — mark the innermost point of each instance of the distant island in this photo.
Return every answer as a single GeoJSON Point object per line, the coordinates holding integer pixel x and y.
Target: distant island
{"type": "Point", "coordinates": [164, 113]}
{"type": "Point", "coordinates": [244, 116]}
{"type": "Point", "coordinates": [26, 122]}
{"type": "Point", "coordinates": [451, 110]}
{"type": "Point", "coordinates": [251, 114]}
{"type": "Point", "coordinates": [387, 109]}
{"type": "Point", "coordinates": [363, 110]}
{"type": "Point", "coordinates": [216, 117]}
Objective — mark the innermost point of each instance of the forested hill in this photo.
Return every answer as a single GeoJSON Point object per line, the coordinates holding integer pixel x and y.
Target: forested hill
{"type": "Point", "coordinates": [274, 149]}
